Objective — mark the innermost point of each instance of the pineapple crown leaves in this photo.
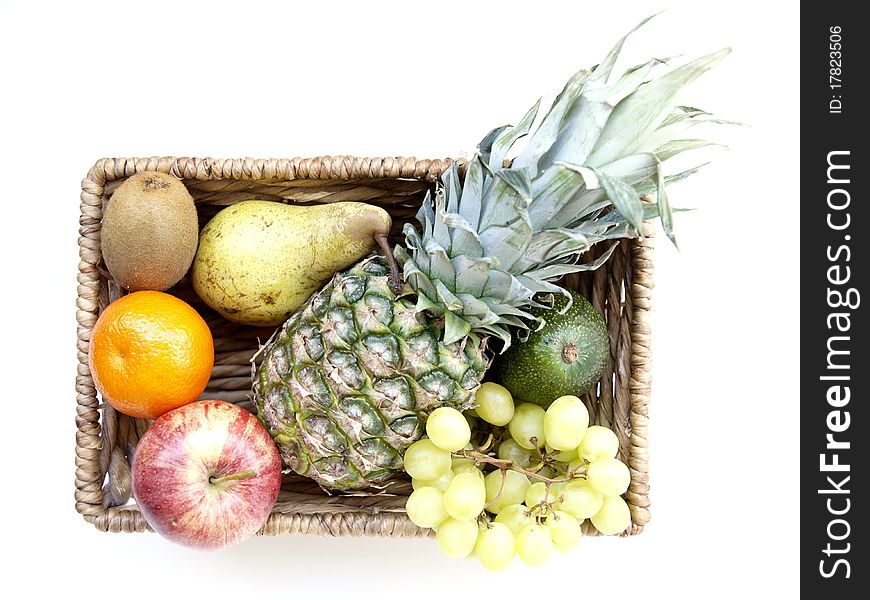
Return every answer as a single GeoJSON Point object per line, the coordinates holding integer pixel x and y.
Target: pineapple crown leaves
{"type": "Point", "coordinates": [490, 246]}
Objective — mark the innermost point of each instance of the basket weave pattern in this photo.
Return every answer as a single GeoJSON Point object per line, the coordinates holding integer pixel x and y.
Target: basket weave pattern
{"type": "Point", "coordinates": [105, 440]}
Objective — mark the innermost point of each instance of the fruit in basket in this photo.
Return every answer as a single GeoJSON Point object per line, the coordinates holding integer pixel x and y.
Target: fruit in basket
{"type": "Point", "coordinates": [206, 475]}
{"type": "Point", "coordinates": [510, 450]}
{"type": "Point", "coordinates": [425, 507]}
{"type": "Point", "coordinates": [534, 545]}
{"type": "Point", "coordinates": [531, 507]}
{"type": "Point", "coordinates": [515, 517]}
{"type": "Point", "coordinates": [564, 357]}
{"type": "Point", "coordinates": [150, 352]}
{"type": "Point", "coordinates": [613, 517]}
{"type": "Point", "coordinates": [504, 488]}
{"type": "Point", "coordinates": [345, 385]}
{"type": "Point", "coordinates": [494, 403]}
{"type": "Point", "coordinates": [598, 442]}
{"type": "Point", "coordinates": [347, 382]}
{"type": "Point", "coordinates": [565, 424]}
{"type": "Point", "coordinates": [465, 496]}
{"type": "Point", "coordinates": [495, 547]}
{"type": "Point", "coordinates": [149, 232]}
{"type": "Point", "coordinates": [609, 476]}
{"type": "Point", "coordinates": [426, 461]}
{"type": "Point", "coordinates": [258, 261]}
{"type": "Point", "coordinates": [455, 538]}
{"type": "Point", "coordinates": [527, 426]}
{"type": "Point", "coordinates": [448, 429]}
{"type": "Point", "coordinates": [580, 499]}
{"type": "Point", "coordinates": [564, 530]}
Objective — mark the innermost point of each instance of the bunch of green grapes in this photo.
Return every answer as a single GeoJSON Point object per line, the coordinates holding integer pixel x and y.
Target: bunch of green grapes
{"type": "Point", "coordinates": [525, 490]}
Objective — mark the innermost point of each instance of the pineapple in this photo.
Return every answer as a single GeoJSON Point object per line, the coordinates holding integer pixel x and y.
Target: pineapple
{"type": "Point", "coordinates": [346, 383]}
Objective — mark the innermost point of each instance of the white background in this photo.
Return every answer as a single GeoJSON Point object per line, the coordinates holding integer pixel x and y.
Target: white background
{"type": "Point", "coordinates": [79, 81]}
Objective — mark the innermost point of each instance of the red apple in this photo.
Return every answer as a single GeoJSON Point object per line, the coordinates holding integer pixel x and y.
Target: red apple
{"type": "Point", "coordinates": [206, 475]}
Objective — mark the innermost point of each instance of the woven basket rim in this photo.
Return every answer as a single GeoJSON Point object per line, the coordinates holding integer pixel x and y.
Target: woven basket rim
{"type": "Point", "coordinates": [89, 471]}
{"type": "Point", "coordinates": [326, 168]}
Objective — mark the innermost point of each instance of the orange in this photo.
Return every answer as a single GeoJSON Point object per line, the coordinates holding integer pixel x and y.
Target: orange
{"type": "Point", "coordinates": [150, 352]}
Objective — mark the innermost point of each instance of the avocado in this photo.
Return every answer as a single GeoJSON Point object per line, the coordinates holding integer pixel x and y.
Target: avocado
{"type": "Point", "coordinates": [567, 356]}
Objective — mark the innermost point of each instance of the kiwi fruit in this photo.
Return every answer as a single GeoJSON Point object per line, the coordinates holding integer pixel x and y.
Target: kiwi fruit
{"type": "Point", "coordinates": [150, 232]}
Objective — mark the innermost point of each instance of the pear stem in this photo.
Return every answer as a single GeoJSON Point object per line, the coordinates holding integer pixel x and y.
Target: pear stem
{"type": "Point", "coordinates": [395, 279]}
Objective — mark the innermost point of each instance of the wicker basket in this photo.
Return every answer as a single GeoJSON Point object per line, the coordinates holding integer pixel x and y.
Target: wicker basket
{"type": "Point", "coordinates": [105, 439]}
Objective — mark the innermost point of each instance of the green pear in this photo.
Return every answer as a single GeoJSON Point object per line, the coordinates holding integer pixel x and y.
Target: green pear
{"type": "Point", "coordinates": [258, 261]}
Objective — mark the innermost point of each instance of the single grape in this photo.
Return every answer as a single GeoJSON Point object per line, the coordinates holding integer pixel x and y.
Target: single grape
{"type": "Point", "coordinates": [565, 422]}
{"type": "Point", "coordinates": [425, 460]}
{"type": "Point", "coordinates": [609, 476]}
{"type": "Point", "coordinates": [538, 492]}
{"type": "Point", "coordinates": [564, 530]}
{"type": "Point", "coordinates": [527, 426]}
{"type": "Point", "coordinates": [534, 545]}
{"type": "Point", "coordinates": [564, 456]}
{"type": "Point", "coordinates": [512, 451]}
{"type": "Point", "coordinates": [515, 516]}
{"type": "Point", "coordinates": [613, 517]}
{"type": "Point", "coordinates": [456, 538]}
{"type": "Point", "coordinates": [465, 496]}
{"type": "Point", "coordinates": [598, 442]}
{"type": "Point", "coordinates": [440, 483]}
{"type": "Point", "coordinates": [580, 499]}
{"type": "Point", "coordinates": [425, 507]}
{"type": "Point", "coordinates": [495, 547]}
{"type": "Point", "coordinates": [494, 404]}
{"type": "Point", "coordinates": [513, 489]}
{"type": "Point", "coordinates": [448, 429]}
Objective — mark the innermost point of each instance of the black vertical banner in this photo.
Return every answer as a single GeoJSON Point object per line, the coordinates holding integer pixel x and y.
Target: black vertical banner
{"type": "Point", "coordinates": [835, 260]}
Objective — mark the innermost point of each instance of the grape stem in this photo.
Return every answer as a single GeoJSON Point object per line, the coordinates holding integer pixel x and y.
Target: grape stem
{"type": "Point", "coordinates": [500, 490]}
{"type": "Point", "coordinates": [541, 510]}
{"type": "Point", "coordinates": [487, 444]}
{"type": "Point", "coordinates": [546, 459]}
{"type": "Point", "coordinates": [505, 465]}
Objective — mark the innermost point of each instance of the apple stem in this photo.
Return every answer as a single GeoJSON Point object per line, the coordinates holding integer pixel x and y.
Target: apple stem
{"type": "Point", "coordinates": [246, 474]}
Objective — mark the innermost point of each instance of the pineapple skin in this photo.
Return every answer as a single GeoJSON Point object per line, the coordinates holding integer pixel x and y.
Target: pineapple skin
{"type": "Point", "coordinates": [346, 383]}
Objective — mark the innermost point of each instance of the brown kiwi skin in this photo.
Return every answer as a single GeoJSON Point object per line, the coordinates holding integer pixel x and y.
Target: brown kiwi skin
{"type": "Point", "coordinates": [149, 232]}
